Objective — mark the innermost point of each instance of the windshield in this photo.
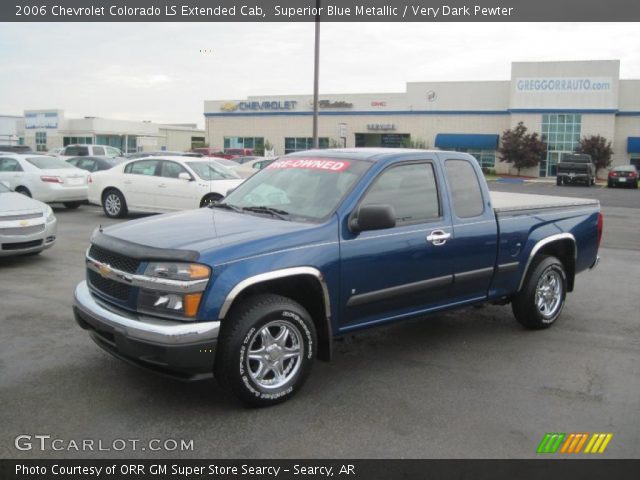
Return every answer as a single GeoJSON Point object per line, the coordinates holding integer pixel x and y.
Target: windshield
{"type": "Point", "coordinates": [309, 188]}
{"type": "Point", "coordinates": [3, 188]}
{"type": "Point", "coordinates": [48, 162]}
{"type": "Point", "coordinates": [212, 171]}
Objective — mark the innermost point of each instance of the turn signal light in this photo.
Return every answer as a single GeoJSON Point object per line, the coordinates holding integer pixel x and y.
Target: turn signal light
{"type": "Point", "coordinates": [600, 228]}
{"type": "Point", "coordinates": [191, 302]}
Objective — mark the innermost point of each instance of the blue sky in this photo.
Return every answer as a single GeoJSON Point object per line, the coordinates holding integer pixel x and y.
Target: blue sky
{"type": "Point", "coordinates": [157, 72]}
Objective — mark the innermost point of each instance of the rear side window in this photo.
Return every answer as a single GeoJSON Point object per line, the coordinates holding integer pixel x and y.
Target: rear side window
{"type": "Point", "coordinates": [143, 167]}
{"type": "Point", "coordinates": [98, 151]}
{"type": "Point", "coordinates": [76, 151]}
{"type": "Point", "coordinates": [465, 189]}
{"type": "Point", "coordinates": [9, 165]}
{"type": "Point", "coordinates": [410, 189]}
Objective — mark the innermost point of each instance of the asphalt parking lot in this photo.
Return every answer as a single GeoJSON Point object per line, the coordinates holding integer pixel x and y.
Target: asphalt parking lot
{"type": "Point", "coordinates": [469, 384]}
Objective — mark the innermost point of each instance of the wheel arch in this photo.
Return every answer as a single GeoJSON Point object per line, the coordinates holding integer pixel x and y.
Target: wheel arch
{"type": "Point", "coordinates": [108, 188]}
{"type": "Point", "coordinates": [212, 195]}
{"type": "Point", "coordinates": [305, 285]}
{"type": "Point", "coordinates": [563, 247]}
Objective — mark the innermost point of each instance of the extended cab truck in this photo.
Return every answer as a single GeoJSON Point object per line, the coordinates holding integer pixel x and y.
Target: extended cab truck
{"type": "Point", "coordinates": [319, 244]}
{"type": "Point", "coordinates": [576, 168]}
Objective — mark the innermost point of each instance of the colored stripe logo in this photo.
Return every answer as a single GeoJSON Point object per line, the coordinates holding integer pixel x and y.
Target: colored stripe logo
{"type": "Point", "coordinates": [574, 443]}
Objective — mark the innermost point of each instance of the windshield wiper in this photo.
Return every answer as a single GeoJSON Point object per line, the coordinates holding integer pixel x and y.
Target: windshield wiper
{"type": "Point", "coordinates": [226, 206]}
{"type": "Point", "coordinates": [275, 212]}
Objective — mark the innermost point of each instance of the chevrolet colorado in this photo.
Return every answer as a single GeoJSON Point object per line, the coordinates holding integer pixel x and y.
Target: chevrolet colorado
{"type": "Point", "coordinates": [253, 288]}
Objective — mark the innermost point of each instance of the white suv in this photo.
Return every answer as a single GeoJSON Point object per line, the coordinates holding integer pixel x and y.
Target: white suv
{"type": "Point", "coordinates": [71, 151]}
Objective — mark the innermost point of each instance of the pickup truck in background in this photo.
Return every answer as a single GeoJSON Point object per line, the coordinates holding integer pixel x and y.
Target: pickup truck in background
{"type": "Point", "coordinates": [320, 244]}
{"type": "Point", "coordinates": [576, 168]}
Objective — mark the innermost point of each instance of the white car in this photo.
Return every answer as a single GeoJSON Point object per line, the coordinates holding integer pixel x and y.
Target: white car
{"type": "Point", "coordinates": [89, 150]}
{"type": "Point", "coordinates": [160, 184]}
{"type": "Point", "coordinates": [27, 226]}
{"type": "Point", "coordinates": [246, 169]}
{"type": "Point", "coordinates": [48, 179]}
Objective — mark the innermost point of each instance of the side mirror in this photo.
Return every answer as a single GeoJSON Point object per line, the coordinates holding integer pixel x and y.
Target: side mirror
{"type": "Point", "coordinates": [184, 176]}
{"type": "Point", "coordinates": [373, 217]}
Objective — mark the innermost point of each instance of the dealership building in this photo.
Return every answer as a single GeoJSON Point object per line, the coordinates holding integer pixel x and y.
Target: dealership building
{"type": "Point", "coordinates": [43, 130]}
{"type": "Point", "coordinates": [562, 101]}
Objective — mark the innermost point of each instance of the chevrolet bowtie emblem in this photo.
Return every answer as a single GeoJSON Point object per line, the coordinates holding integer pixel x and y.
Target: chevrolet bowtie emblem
{"type": "Point", "coordinates": [24, 223]}
{"type": "Point", "coordinates": [105, 270]}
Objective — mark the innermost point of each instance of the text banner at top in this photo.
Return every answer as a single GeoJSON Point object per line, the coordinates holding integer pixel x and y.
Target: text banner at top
{"type": "Point", "coordinates": [328, 11]}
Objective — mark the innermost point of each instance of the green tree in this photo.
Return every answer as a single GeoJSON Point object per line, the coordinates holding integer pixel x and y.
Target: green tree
{"type": "Point", "coordinates": [522, 149]}
{"type": "Point", "coordinates": [599, 148]}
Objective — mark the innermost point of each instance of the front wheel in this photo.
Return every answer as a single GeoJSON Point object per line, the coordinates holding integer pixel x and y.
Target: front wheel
{"type": "Point", "coordinates": [266, 350]}
{"type": "Point", "coordinates": [539, 304]}
{"type": "Point", "coordinates": [558, 181]}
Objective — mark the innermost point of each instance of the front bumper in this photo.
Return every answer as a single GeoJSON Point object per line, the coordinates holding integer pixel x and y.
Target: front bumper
{"type": "Point", "coordinates": [23, 244]}
{"type": "Point", "coordinates": [184, 350]}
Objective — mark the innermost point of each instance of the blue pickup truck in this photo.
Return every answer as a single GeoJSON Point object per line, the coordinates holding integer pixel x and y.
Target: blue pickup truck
{"type": "Point", "coordinates": [320, 244]}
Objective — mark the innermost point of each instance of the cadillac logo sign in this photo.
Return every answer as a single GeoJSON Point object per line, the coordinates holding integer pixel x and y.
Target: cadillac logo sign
{"type": "Point", "coordinates": [431, 96]}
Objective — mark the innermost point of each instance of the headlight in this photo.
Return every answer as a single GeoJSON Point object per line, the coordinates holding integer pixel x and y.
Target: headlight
{"type": "Point", "coordinates": [49, 214]}
{"type": "Point", "coordinates": [178, 271]}
{"type": "Point", "coordinates": [181, 302]}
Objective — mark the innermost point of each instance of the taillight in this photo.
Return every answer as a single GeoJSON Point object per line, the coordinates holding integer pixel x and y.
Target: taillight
{"type": "Point", "coordinates": [613, 174]}
{"type": "Point", "coordinates": [51, 179]}
{"type": "Point", "coordinates": [600, 226]}
{"type": "Point", "coordinates": [633, 174]}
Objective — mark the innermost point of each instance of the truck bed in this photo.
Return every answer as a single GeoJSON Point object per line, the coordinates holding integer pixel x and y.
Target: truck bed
{"type": "Point", "coordinates": [510, 202]}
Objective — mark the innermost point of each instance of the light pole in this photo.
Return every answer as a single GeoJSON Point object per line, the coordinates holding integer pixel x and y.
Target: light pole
{"type": "Point", "coordinates": [316, 72]}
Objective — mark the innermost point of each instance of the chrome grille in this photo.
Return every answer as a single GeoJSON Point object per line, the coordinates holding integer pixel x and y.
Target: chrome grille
{"type": "Point", "coordinates": [24, 216]}
{"type": "Point", "coordinates": [108, 287]}
{"type": "Point", "coordinates": [115, 260]}
{"type": "Point", "coordinates": [17, 231]}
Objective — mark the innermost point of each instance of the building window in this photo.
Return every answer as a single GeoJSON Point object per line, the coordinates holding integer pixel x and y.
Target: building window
{"type": "Point", "coordinates": [41, 141]}
{"type": "Point", "coordinates": [76, 141]}
{"type": "Point", "coordinates": [561, 133]}
{"type": "Point", "coordinates": [486, 158]}
{"type": "Point", "coordinates": [299, 144]}
{"type": "Point", "coordinates": [255, 143]}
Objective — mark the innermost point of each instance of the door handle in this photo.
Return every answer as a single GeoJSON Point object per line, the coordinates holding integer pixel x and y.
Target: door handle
{"type": "Point", "coordinates": [438, 237]}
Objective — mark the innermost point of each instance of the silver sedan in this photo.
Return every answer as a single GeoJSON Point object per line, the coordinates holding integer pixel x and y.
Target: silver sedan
{"type": "Point", "coordinates": [27, 226]}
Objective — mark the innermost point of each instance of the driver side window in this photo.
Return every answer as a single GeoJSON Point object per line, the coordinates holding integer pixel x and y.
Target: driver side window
{"type": "Point", "coordinates": [410, 189]}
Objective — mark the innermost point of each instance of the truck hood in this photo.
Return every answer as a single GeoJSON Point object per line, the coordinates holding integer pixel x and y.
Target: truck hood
{"type": "Point", "coordinates": [202, 230]}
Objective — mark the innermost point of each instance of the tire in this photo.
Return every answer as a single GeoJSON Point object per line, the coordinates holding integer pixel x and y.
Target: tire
{"type": "Point", "coordinates": [634, 185]}
{"type": "Point", "coordinates": [23, 191]}
{"type": "Point", "coordinates": [558, 181]}
{"type": "Point", "coordinates": [609, 184]}
{"type": "Point", "coordinates": [209, 199]}
{"type": "Point", "coordinates": [546, 276]}
{"type": "Point", "coordinates": [113, 204]}
{"type": "Point", "coordinates": [259, 320]}
{"type": "Point", "coordinates": [72, 205]}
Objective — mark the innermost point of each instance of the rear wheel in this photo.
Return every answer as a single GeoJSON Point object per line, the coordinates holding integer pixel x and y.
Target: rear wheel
{"type": "Point", "coordinates": [23, 191]}
{"type": "Point", "coordinates": [114, 204]}
{"type": "Point", "coordinates": [72, 205]}
{"type": "Point", "coordinates": [558, 181]}
{"type": "Point", "coordinates": [609, 184]}
{"type": "Point", "coordinates": [540, 302]}
{"type": "Point", "coordinates": [266, 350]}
